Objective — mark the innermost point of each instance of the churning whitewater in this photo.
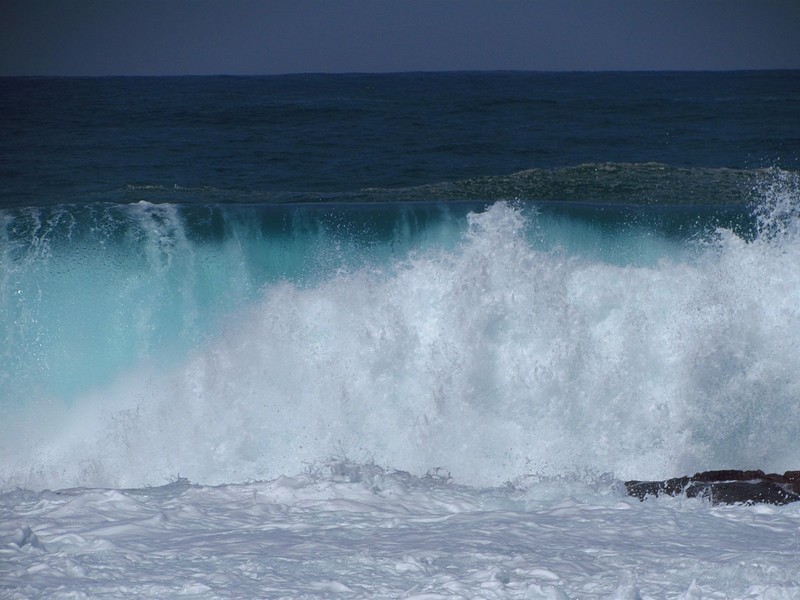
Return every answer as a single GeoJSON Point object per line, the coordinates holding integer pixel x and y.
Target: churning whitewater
{"type": "Point", "coordinates": [506, 383]}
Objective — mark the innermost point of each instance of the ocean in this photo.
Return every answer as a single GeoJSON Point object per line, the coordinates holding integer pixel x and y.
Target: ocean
{"type": "Point", "coordinates": [397, 335]}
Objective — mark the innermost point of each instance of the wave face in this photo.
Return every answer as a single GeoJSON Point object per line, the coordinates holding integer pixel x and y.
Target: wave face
{"type": "Point", "coordinates": [227, 343]}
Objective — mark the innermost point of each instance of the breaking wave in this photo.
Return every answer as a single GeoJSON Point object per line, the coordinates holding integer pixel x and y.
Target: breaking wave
{"type": "Point", "coordinates": [225, 344]}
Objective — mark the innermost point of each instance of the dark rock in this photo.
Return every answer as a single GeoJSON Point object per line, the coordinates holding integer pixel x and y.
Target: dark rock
{"type": "Point", "coordinates": [725, 487]}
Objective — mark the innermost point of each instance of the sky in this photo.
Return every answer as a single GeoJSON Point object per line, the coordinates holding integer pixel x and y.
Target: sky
{"type": "Point", "coordinates": [248, 37]}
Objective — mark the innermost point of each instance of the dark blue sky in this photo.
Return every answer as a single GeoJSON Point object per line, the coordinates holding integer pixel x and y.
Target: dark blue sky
{"type": "Point", "coordinates": [157, 37]}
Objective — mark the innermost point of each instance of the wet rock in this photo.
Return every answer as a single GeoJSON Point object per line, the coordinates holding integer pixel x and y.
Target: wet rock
{"type": "Point", "coordinates": [725, 487]}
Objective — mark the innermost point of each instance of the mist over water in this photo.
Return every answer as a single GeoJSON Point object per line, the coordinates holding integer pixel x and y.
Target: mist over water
{"type": "Point", "coordinates": [145, 342]}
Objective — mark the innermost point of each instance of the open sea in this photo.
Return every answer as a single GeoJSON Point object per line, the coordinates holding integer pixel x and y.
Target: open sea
{"type": "Point", "coordinates": [397, 336]}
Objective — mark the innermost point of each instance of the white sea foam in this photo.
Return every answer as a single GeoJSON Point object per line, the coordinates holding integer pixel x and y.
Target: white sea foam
{"type": "Point", "coordinates": [358, 531]}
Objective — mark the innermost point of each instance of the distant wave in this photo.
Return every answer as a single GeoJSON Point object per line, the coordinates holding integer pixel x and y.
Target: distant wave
{"type": "Point", "coordinates": [612, 183]}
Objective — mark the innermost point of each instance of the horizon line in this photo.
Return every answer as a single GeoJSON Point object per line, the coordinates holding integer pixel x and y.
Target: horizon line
{"type": "Point", "coordinates": [400, 72]}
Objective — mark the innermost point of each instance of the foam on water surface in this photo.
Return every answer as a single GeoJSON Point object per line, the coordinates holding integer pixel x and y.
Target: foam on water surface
{"type": "Point", "coordinates": [358, 531]}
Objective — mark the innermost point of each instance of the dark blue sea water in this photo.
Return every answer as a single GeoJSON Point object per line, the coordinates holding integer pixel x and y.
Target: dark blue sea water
{"type": "Point", "coordinates": [330, 137]}
{"type": "Point", "coordinates": [501, 273]}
